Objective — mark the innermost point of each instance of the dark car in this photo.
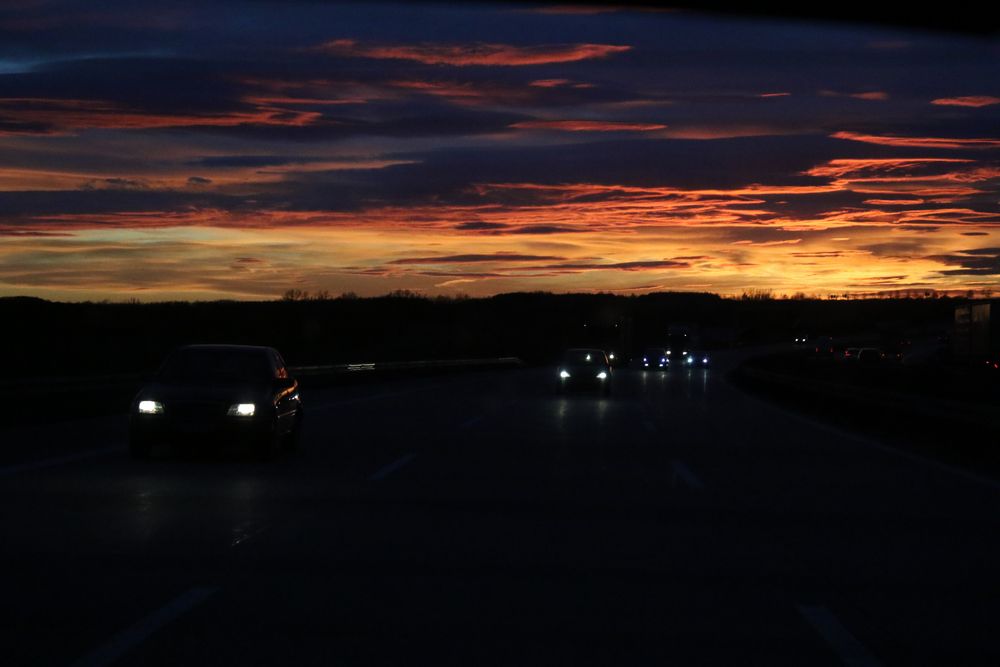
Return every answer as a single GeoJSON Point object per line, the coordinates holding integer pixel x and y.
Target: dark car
{"type": "Point", "coordinates": [584, 368]}
{"type": "Point", "coordinates": [655, 358]}
{"type": "Point", "coordinates": [694, 359]}
{"type": "Point", "coordinates": [218, 394]}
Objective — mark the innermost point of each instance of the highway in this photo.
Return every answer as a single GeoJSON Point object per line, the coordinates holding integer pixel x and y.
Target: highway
{"type": "Point", "coordinates": [480, 519]}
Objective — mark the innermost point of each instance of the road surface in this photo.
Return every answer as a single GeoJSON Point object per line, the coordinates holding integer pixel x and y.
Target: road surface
{"type": "Point", "coordinates": [480, 519]}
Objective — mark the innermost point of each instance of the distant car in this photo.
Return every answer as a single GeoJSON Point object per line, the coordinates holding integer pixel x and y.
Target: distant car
{"type": "Point", "coordinates": [802, 342]}
{"type": "Point", "coordinates": [218, 394]}
{"type": "Point", "coordinates": [822, 346]}
{"type": "Point", "coordinates": [695, 359]}
{"type": "Point", "coordinates": [584, 368]}
{"type": "Point", "coordinates": [851, 353]}
{"type": "Point", "coordinates": [655, 358]}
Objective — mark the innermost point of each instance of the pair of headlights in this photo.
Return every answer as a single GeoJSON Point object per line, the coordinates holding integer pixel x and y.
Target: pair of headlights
{"type": "Point", "coordinates": [564, 374]}
{"type": "Point", "coordinates": [235, 410]}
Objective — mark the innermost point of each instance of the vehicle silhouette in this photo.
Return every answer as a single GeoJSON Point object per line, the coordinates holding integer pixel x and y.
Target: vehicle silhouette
{"type": "Point", "coordinates": [206, 395]}
{"type": "Point", "coordinates": [584, 368]}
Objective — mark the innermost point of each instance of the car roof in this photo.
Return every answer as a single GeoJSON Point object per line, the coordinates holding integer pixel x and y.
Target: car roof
{"type": "Point", "coordinates": [224, 347]}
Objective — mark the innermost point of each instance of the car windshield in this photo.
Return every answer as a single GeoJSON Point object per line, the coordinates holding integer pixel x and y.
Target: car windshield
{"type": "Point", "coordinates": [210, 365]}
{"type": "Point", "coordinates": [584, 358]}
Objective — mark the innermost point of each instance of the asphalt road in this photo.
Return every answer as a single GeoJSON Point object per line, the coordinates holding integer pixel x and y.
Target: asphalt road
{"type": "Point", "coordinates": [480, 519]}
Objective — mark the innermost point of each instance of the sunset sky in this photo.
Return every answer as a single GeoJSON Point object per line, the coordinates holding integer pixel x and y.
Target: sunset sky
{"type": "Point", "coordinates": [243, 149]}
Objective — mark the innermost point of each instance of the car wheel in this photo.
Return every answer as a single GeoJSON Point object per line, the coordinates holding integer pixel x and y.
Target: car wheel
{"type": "Point", "coordinates": [291, 441]}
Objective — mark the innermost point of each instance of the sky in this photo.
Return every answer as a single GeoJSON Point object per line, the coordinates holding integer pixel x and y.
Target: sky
{"type": "Point", "coordinates": [236, 150]}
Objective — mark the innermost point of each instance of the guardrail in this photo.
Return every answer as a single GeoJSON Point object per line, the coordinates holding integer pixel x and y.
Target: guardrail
{"type": "Point", "coordinates": [393, 366]}
{"type": "Point", "coordinates": [98, 383]}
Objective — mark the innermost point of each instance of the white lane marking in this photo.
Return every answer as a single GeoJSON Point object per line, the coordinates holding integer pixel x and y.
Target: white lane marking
{"type": "Point", "coordinates": [648, 425]}
{"type": "Point", "coordinates": [131, 637]}
{"type": "Point", "coordinates": [685, 474]}
{"type": "Point", "coordinates": [851, 651]}
{"type": "Point", "coordinates": [392, 467]}
{"type": "Point", "coordinates": [57, 461]}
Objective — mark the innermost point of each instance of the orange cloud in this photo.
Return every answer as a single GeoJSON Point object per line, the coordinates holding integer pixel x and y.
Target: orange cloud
{"type": "Point", "coordinates": [462, 55]}
{"type": "Point", "coordinates": [48, 116]}
{"type": "Point", "coordinates": [876, 95]}
{"type": "Point", "coordinates": [917, 142]}
{"type": "Point", "coordinates": [587, 126]}
{"type": "Point", "coordinates": [857, 167]}
{"type": "Point", "coordinates": [967, 101]}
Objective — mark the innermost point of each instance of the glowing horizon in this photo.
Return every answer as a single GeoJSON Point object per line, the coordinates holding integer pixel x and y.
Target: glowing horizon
{"type": "Point", "coordinates": [305, 148]}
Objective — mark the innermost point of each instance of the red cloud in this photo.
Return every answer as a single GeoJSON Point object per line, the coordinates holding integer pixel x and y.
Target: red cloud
{"type": "Point", "coordinates": [587, 126]}
{"type": "Point", "coordinates": [474, 54]}
{"type": "Point", "coordinates": [967, 101]}
{"type": "Point", "coordinates": [877, 95]}
{"type": "Point", "coordinates": [917, 142]}
{"type": "Point", "coordinates": [50, 116]}
{"type": "Point", "coordinates": [861, 167]}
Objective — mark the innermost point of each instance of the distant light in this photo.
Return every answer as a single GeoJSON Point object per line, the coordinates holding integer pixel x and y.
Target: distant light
{"type": "Point", "coordinates": [645, 359]}
{"type": "Point", "coordinates": [668, 353]}
{"type": "Point", "coordinates": [150, 407]}
{"type": "Point", "coordinates": [564, 374]}
{"type": "Point", "coordinates": [704, 360]}
{"type": "Point", "coordinates": [588, 357]}
{"type": "Point", "coordinates": [611, 356]}
{"type": "Point", "coordinates": [690, 359]}
{"type": "Point", "coordinates": [242, 410]}
{"type": "Point", "coordinates": [602, 376]}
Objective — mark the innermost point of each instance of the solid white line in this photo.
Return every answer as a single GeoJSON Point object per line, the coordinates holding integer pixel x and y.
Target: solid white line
{"type": "Point", "coordinates": [392, 467]}
{"type": "Point", "coordinates": [851, 651]}
{"type": "Point", "coordinates": [689, 478]}
{"type": "Point", "coordinates": [128, 639]}
{"type": "Point", "coordinates": [57, 461]}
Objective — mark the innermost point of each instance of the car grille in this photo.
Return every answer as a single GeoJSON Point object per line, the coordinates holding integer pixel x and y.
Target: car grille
{"type": "Point", "coordinates": [196, 411]}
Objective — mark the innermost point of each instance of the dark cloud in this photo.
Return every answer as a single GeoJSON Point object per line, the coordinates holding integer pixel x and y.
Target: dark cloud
{"type": "Point", "coordinates": [972, 262]}
{"type": "Point", "coordinates": [466, 259]}
{"type": "Point", "coordinates": [480, 226]}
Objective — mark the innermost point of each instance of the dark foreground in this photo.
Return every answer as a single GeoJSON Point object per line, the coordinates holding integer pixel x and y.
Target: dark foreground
{"type": "Point", "coordinates": [483, 520]}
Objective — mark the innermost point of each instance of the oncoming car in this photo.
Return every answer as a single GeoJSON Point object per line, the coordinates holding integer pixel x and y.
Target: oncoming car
{"type": "Point", "coordinates": [584, 368]}
{"type": "Point", "coordinates": [655, 358]}
{"type": "Point", "coordinates": [695, 359]}
{"type": "Point", "coordinates": [218, 394]}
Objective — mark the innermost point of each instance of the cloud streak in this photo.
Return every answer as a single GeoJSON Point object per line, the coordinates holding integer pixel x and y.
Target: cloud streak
{"type": "Point", "coordinates": [478, 54]}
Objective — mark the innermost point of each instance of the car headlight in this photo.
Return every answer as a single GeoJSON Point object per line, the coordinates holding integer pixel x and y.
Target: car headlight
{"type": "Point", "coordinates": [564, 374]}
{"type": "Point", "coordinates": [602, 375]}
{"type": "Point", "coordinates": [150, 408]}
{"type": "Point", "coordinates": [241, 410]}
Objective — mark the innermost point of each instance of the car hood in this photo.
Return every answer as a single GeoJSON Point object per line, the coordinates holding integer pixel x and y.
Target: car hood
{"type": "Point", "coordinates": [196, 392]}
